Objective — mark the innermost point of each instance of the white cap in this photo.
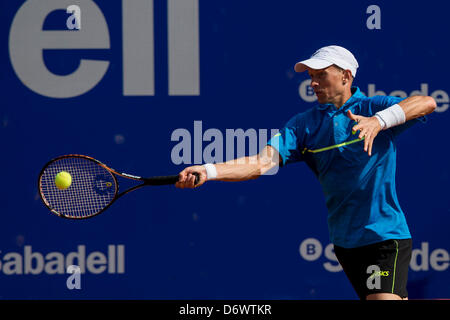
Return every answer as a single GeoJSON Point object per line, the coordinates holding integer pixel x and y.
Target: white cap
{"type": "Point", "coordinates": [327, 56]}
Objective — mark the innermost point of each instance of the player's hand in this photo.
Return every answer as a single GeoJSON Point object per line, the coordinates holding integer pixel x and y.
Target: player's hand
{"type": "Point", "coordinates": [368, 128]}
{"type": "Point", "coordinates": [187, 179]}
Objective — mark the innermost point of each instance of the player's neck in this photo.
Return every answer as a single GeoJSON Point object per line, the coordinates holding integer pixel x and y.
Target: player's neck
{"type": "Point", "coordinates": [340, 100]}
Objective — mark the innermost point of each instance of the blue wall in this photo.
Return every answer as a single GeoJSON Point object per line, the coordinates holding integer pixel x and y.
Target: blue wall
{"type": "Point", "coordinates": [223, 240]}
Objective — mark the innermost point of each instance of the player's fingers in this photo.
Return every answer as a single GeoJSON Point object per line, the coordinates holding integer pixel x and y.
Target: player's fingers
{"type": "Point", "coordinates": [359, 126]}
{"type": "Point", "coordinates": [182, 176]}
{"type": "Point", "coordinates": [187, 173]}
{"type": "Point", "coordinates": [370, 143]}
{"type": "Point", "coordinates": [356, 128]}
{"type": "Point", "coordinates": [190, 182]}
{"type": "Point", "coordinates": [372, 139]}
{"type": "Point", "coordinates": [352, 116]}
{"type": "Point", "coordinates": [192, 177]}
{"type": "Point", "coordinates": [366, 141]}
{"type": "Point", "coordinates": [362, 133]}
{"type": "Point", "coordinates": [179, 185]}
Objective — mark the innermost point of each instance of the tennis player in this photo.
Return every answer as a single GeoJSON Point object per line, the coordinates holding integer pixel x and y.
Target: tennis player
{"type": "Point", "coordinates": [348, 141]}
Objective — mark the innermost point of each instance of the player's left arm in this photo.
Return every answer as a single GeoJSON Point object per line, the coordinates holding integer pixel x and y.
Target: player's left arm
{"type": "Point", "coordinates": [406, 110]}
{"type": "Point", "coordinates": [417, 106]}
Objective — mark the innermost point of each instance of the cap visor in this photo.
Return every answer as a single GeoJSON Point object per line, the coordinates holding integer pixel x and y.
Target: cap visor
{"type": "Point", "coordinates": [311, 63]}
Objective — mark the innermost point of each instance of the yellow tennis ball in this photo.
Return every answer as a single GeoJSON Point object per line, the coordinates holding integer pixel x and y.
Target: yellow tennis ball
{"type": "Point", "coordinates": [63, 180]}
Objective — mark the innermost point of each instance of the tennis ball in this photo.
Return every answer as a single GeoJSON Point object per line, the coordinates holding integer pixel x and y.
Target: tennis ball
{"type": "Point", "coordinates": [63, 180]}
{"type": "Point", "coordinates": [354, 123]}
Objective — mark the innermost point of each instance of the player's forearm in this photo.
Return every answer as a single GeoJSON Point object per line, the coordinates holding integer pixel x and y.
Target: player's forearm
{"type": "Point", "coordinates": [408, 109]}
{"type": "Point", "coordinates": [417, 106]}
{"type": "Point", "coordinates": [245, 168]}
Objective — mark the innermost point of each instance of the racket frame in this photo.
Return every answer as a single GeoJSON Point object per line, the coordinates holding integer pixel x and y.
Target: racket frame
{"type": "Point", "coordinates": [160, 180]}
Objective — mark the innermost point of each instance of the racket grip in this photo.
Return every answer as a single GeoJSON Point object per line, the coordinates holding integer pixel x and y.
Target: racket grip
{"type": "Point", "coordinates": [166, 180]}
{"type": "Point", "coordinates": [197, 178]}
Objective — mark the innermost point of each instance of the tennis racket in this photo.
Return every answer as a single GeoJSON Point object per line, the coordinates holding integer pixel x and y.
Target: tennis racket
{"type": "Point", "coordinates": [94, 186]}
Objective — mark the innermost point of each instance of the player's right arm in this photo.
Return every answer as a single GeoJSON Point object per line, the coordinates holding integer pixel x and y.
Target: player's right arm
{"type": "Point", "coordinates": [241, 169]}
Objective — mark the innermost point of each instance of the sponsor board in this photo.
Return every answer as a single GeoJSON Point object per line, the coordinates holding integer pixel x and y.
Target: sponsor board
{"type": "Point", "coordinates": [33, 262]}
{"type": "Point", "coordinates": [423, 258]}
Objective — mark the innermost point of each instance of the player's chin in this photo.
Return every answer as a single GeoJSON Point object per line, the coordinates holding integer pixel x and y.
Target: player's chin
{"type": "Point", "coordinates": [321, 98]}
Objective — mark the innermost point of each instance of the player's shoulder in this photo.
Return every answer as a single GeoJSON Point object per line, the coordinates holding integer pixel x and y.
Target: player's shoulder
{"type": "Point", "coordinates": [358, 96]}
{"type": "Point", "coordinates": [366, 102]}
{"type": "Point", "coordinates": [365, 105]}
{"type": "Point", "coordinates": [377, 99]}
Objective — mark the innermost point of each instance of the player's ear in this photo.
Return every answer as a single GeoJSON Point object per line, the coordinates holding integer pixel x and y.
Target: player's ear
{"type": "Point", "coordinates": [346, 77]}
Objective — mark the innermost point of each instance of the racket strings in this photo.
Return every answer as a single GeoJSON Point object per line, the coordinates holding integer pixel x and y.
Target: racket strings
{"type": "Point", "coordinates": [92, 189]}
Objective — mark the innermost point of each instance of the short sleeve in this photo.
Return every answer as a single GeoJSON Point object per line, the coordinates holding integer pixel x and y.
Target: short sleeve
{"type": "Point", "coordinates": [379, 103]}
{"type": "Point", "coordinates": [288, 141]}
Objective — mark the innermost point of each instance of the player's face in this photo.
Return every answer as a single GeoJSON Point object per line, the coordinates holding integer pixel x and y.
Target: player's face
{"type": "Point", "coordinates": [327, 83]}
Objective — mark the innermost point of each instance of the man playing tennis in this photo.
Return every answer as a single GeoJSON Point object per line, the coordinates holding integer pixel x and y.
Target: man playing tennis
{"type": "Point", "coordinates": [348, 141]}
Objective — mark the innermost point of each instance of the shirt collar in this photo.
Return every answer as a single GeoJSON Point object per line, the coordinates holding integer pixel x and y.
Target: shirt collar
{"type": "Point", "coordinates": [356, 94]}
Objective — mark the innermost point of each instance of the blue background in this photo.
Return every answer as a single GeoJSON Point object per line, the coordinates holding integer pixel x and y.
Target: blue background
{"type": "Point", "coordinates": [223, 240]}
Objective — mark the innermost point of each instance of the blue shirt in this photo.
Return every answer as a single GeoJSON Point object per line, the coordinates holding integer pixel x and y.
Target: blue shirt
{"type": "Point", "coordinates": [359, 190]}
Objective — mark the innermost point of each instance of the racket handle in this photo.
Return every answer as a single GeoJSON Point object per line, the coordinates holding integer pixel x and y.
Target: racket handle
{"type": "Point", "coordinates": [166, 180]}
{"type": "Point", "coordinates": [197, 178]}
